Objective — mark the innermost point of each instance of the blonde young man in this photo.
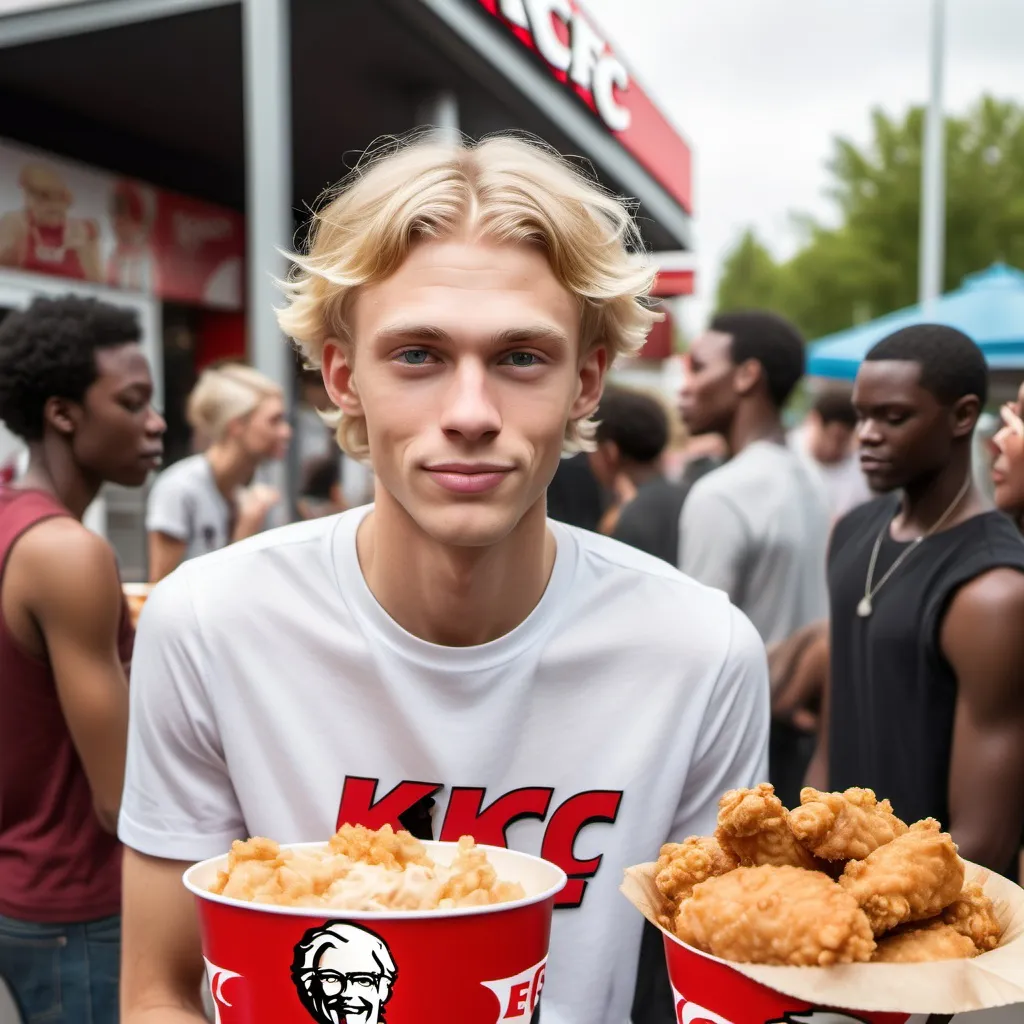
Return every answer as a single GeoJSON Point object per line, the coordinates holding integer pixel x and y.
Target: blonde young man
{"type": "Point", "coordinates": [207, 501]}
{"type": "Point", "coordinates": [546, 687]}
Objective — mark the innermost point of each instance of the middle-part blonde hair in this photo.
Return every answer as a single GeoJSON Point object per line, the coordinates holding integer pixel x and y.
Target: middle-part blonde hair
{"type": "Point", "coordinates": [504, 189]}
{"type": "Point", "coordinates": [223, 394]}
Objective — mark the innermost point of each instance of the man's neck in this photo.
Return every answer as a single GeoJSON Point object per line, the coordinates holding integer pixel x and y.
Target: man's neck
{"type": "Point", "coordinates": [454, 597]}
{"type": "Point", "coordinates": [643, 473]}
{"type": "Point", "coordinates": [51, 468]}
{"type": "Point", "coordinates": [232, 468]}
{"type": "Point", "coordinates": [753, 422]}
{"type": "Point", "coordinates": [926, 501]}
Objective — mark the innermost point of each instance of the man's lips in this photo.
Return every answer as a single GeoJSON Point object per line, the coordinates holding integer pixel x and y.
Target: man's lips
{"type": "Point", "coordinates": [869, 463]}
{"type": "Point", "coordinates": [468, 478]}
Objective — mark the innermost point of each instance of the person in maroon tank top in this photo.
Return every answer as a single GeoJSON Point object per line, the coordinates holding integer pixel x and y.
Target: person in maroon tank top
{"type": "Point", "coordinates": [76, 387]}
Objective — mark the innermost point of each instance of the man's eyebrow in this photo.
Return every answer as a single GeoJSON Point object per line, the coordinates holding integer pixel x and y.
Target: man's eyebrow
{"type": "Point", "coordinates": [509, 336]}
{"type": "Point", "coordinates": [536, 332]}
{"type": "Point", "coordinates": [411, 332]}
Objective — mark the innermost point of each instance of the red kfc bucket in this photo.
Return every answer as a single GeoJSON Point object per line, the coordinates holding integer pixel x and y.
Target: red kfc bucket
{"type": "Point", "coordinates": [271, 964]}
{"type": "Point", "coordinates": [708, 990]}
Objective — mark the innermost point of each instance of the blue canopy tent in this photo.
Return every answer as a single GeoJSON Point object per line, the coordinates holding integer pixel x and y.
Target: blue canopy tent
{"type": "Point", "coordinates": [988, 306]}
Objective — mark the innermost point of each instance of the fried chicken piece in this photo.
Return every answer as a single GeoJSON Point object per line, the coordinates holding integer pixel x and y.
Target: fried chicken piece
{"type": "Point", "coordinates": [754, 826]}
{"type": "Point", "coordinates": [844, 826]}
{"type": "Point", "coordinates": [474, 882]}
{"type": "Point", "coordinates": [776, 915]}
{"type": "Point", "coordinates": [682, 865]}
{"type": "Point", "coordinates": [252, 868]}
{"type": "Point", "coordinates": [974, 915]}
{"type": "Point", "coordinates": [933, 941]}
{"type": "Point", "coordinates": [914, 877]}
{"type": "Point", "coordinates": [393, 850]}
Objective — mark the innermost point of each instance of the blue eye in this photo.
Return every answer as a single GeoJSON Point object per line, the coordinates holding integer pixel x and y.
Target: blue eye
{"type": "Point", "coordinates": [522, 359]}
{"type": "Point", "coordinates": [414, 356]}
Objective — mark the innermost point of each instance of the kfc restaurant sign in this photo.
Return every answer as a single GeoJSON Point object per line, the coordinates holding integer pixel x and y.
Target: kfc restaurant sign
{"type": "Point", "coordinates": [578, 55]}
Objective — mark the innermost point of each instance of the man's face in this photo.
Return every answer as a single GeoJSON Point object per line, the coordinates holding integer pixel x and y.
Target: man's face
{"type": "Point", "coordinates": [708, 397]}
{"type": "Point", "coordinates": [47, 198]}
{"type": "Point", "coordinates": [905, 433]}
{"type": "Point", "coordinates": [829, 443]}
{"type": "Point", "coordinates": [351, 986]}
{"type": "Point", "coordinates": [266, 431]}
{"type": "Point", "coordinates": [118, 435]}
{"type": "Point", "coordinates": [466, 366]}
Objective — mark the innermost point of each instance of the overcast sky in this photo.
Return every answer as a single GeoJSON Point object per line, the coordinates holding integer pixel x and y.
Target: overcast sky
{"type": "Point", "coordinates": [760, 87]}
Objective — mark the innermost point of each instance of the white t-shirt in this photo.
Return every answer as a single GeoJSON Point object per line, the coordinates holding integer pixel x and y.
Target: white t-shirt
{"type": "Point", "coordinates": [758, 529]}
{"type": "Point", "coordinates": [272, 695]}
{"type": "Point", "coordinates": [845, 484]}
{"type": "Point", "coordinates": [186, 504]}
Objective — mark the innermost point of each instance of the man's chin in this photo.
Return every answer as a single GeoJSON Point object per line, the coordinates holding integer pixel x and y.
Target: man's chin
{"type": "Point", "coordinates": [883, 483]}
{"type": "Point", "coordinates": [469, 526]}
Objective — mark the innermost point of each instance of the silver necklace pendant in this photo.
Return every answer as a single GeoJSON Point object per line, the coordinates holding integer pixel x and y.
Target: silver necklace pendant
{"type": "Point", "coordinates": [864, 607]}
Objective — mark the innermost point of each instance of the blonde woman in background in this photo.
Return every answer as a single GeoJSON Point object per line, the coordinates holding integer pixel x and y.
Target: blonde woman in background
{"type": "Point", "coordinates": [208, 500]}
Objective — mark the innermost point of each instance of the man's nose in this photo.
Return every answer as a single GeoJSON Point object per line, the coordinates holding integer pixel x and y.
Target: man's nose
{"type": "Point", "coordinates": [869, 433]}
{"type": "Point", "coordinates": [155, 423]}
{"type": "Point", "coordinates": [470, 408]}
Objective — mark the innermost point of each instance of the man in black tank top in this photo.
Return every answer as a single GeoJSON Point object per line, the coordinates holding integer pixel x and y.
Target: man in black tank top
{"type": "Point", "coordinates": [926, 698]}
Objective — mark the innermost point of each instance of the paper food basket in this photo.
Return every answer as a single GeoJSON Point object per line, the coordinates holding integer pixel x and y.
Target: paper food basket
{"type": "Point", "coordinates": [707, 990]}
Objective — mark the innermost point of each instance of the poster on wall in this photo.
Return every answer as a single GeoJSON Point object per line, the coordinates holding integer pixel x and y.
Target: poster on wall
{"type": "Point", "coordinates": [66, 220]}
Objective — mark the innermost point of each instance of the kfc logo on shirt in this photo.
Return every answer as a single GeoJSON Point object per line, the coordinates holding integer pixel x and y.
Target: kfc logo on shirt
{"type": "Point", "coordinates": [467, 815]}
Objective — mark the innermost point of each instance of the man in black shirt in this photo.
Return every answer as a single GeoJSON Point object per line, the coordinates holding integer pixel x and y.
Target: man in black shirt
{"type": "Point", "coordinates": [925, 703]}
{"type": "Point", "coordinates": [632, 433]}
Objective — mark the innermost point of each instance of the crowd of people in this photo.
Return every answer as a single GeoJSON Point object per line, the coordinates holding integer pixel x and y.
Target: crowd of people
{"type": "Point", "coordinates": [531, 599]}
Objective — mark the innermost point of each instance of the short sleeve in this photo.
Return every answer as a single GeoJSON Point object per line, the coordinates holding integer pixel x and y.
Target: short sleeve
{"type": "Point", "coordinates": [178, 802]}
{"type": "Point", "coordinates": [732, 752]}
{"type": "Point", "coordinates": [712, 541]}
{"type": "Point", "coordinates": [167, 510]}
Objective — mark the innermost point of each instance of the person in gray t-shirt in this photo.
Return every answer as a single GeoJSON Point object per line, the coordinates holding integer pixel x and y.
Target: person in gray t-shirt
{"type": "Point", "coordinates": [757, 527]}
{"type": "Point", "coordinates": [207, 501]}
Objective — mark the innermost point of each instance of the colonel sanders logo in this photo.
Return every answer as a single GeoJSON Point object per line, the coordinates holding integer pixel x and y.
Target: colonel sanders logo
{"type": "Point", "coordinates": [344, 974]}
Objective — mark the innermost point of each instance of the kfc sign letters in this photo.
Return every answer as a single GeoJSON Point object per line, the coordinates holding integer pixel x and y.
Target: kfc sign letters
{"type": "Point", "coordinates": [581, 58]}
{"type": "Point", "coordinates": [586, 56]}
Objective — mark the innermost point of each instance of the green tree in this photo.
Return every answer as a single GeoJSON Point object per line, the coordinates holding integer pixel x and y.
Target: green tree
{"type": "Point", "coordinates": [868, 264]}
{"type": "Point", "coordinates": [750, 276]}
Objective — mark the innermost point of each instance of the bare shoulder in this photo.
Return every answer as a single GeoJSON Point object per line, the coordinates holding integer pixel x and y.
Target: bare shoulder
{"type": "Point", "coordinates": [996, 595]}
{"type": "Point", "coordinates": [982, 634]}
{"type": "Point", "coordinates": [60, 559]}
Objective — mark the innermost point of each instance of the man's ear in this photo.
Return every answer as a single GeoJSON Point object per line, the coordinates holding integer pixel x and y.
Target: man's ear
{"type": "Point", "coordinates": [965, 415]}
{"type": "Point", "coordinates": [593, 367]}
{"type": "Point", "coordinates": [339, 376]}
{"type": "Point", "coordinates": [748, 375]}
{"type": "Point", "coordinates": [62, 414]}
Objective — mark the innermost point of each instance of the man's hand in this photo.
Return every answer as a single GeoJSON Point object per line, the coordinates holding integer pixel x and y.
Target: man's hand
{"type": "Point", "coordinates": [983, 641]}
{"type": "Point", "coordinates": [161, 952]}
{"type": "Point", "coordinates": [253, 505]}
{"type": "Point", "coordinates": [798, 668]}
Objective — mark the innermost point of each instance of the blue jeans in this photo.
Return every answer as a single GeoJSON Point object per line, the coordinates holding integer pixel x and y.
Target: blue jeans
{"type": "Point", "coordinates": [62, 973]}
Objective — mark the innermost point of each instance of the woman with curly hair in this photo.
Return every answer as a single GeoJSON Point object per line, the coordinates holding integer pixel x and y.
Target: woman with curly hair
{"type": "Point", "coordinates": [76, 388]}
